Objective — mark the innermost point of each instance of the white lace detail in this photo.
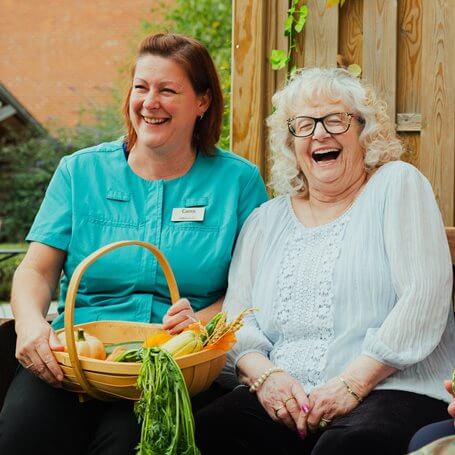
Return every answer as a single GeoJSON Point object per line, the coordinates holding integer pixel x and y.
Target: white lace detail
{"type": "Point", "coordinates": [304, 309]}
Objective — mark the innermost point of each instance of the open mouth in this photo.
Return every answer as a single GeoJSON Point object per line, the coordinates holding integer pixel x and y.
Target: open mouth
{"type": "Point", "coordinates": [325, 155]}
{"type": "Point", "coordinates": [155, 121]}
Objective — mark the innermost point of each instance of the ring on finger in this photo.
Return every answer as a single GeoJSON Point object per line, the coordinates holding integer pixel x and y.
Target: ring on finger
{"type": "Point", "coordinates": [28, 365]}
{"type": "Point", "coordinates": [288, 399]}
{"type": "Point", "coordinates": [324, 423]}
{"type": "Point", "coordinates": [278, 409]}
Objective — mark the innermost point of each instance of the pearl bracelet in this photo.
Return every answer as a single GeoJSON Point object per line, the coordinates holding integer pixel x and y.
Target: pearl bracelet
{"type": "Point", "coordinates": [261, 379]}
{"type": "Point", "coordinates": [348, 387]}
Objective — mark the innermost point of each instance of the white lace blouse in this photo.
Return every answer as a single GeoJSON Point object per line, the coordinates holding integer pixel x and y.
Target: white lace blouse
{"type": "Point", "coordinates": [376, 281]}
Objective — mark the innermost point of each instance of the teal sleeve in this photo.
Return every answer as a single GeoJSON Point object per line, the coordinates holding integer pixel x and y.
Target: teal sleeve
{"type": "Point", "coordinates": [253, 195]}
{"type": "Point", "coordinates": [53, 223]}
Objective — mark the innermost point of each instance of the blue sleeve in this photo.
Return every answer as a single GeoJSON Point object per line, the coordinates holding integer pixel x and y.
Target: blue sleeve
{"type": "Point", "coordinates": [53, 223]}
{"type": "Point", "coordinates": [253, 195]}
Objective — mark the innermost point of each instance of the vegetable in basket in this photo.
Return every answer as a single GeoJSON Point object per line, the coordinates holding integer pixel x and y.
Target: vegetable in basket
{"type": "Point", "coordinates": [164, 409]}
{"type": "Point", "coordinates": [86, 345]}
{"type": "Point", "coordinates": [217, 333]}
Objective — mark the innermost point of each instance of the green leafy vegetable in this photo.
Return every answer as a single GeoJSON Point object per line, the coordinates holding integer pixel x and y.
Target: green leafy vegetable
{"type": "Point", "coordinates": [164, 410]}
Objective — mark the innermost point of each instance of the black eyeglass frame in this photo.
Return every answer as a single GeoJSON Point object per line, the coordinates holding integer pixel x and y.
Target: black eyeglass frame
{"type": "Point", "coordinates": [321, 120]}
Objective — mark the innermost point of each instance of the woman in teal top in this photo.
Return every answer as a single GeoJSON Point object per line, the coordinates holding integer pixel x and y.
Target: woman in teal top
{"type": "Point", "coordinates": [96, 198]}
{"type": "Point", "coordinates": [166, 184]}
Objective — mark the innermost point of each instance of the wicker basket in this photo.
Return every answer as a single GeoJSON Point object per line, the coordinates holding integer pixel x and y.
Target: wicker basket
{"type": "Point", "coordinates": [106, 380]}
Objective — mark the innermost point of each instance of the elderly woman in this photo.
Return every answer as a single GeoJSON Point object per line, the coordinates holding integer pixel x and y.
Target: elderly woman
{"type": "Point", "coordinates": [137, 188]}
{"type": "Point", "coordinates": [350, 273]}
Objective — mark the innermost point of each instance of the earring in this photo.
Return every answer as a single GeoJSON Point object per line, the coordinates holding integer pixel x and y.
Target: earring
{"type": "Point", "coordinates": [201, 116]}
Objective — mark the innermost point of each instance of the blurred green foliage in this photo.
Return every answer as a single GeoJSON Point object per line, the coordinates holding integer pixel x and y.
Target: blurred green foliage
{"type": "Point", "coordinates": [28, 163]}
{"type": "Point", "coordinates": [7, 269]}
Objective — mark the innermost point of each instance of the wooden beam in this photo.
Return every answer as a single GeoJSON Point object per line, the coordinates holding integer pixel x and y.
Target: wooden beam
{"type": "Point", "coordinates": [437, 151]}
{"type": "Point", "coordinates": [409, 122]}
{"type": "Point", "coordinates": [380, 49]}
{"type": "Point", "coordinates": [249, 68]}
{"type": "Point", "coordinates": [6, 112]}
{"type": "Point", "coordinates": [320, 46]}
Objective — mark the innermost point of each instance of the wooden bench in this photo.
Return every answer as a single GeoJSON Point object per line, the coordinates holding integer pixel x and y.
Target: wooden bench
{"type": "Point", "coordinates": [9, 363]}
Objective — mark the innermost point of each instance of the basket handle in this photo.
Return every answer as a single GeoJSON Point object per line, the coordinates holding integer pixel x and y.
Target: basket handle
{"type": "Point", "coordinates": [71, 300]}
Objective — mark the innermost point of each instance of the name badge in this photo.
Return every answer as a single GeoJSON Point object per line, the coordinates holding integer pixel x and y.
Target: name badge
{"type": "Point", "coordinates": [188, 214]}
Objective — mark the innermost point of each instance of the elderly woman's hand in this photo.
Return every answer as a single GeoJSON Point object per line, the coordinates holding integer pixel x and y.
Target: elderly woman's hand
{"type": "Point", "coordinates": [35, 342]}
{"type": "Point", "coordinates": [329, 401]}
{"type": "Point", "coordinates": [179, 316]}
{"type": "Point", "coordinates": [285, 401]}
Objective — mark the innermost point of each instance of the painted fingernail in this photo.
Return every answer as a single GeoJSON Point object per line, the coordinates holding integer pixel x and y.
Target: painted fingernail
{"type": "Point", "coordinates": [305, 409]}
{"type": "Point", "coordinates": [302, 434]}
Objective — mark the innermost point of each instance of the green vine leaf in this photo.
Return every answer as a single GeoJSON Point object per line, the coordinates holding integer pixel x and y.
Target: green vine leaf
{"type": "Point", "coordinates": [302, 15]}
{"type": "Point", "coordinates": [293, 25]}
{"type": "Point", "coordinates": [278, 59]}
{"type": "Point", "coordinates": [288, 25]}
{"type": "Point", "coordinates": [293, 6]}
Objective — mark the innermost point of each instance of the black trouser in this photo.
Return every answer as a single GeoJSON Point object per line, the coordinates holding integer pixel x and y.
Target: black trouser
{"type": "Point", "coordinates": [431, 433]}
{"type": "Point", "coordinates": [383, 424]}
{"type": "Point", "coordinates": [39, 419]}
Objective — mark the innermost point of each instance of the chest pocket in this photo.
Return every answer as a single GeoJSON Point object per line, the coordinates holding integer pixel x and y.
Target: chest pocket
{"type": "Point", "coordinates": [117, 210]}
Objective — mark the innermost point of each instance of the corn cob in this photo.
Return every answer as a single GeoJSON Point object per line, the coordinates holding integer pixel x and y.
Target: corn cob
{"type": "Point", "coordinates": [183, 344]}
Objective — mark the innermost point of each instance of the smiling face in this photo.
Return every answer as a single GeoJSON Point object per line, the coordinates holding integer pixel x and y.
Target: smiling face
{"type": "Point", "coordinates": [331, 163]}
{"type": "Point", "coordinates": [163, 105]}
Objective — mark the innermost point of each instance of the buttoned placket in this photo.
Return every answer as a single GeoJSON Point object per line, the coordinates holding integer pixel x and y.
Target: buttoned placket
{"type": "Point", "coordinates": [153, 211]}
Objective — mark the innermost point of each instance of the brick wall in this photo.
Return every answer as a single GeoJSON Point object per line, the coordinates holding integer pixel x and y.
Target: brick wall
{"type": "Point", "coordinates": [59, 55]}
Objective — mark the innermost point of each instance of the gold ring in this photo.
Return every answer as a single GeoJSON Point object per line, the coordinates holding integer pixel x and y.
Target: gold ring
{"type": "Point", "coordinates": [324, 423]}
{"type": "Point", "coordinates": [288, 399]}
{"type": "Point", "coordinates": [29, 365]}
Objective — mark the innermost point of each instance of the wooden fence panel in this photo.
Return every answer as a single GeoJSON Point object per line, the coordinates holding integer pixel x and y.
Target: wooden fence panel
{"type": "Point", "coordinates": [248, 80]}
{"type": "Point", "coordinates": [321, 35]}
{"type": "Point", "coordinates": [437, 151]}
{"type": "Point", "coordinates": [275, 16]}
{"type": "Point", "coordinates": [404, 50]}
{"type": "Point", "coordinates": [409, 55]}
{"type": "Point", "coordinates": [380, 48]}
{"type": "Point", "coordinates": [350, 33]}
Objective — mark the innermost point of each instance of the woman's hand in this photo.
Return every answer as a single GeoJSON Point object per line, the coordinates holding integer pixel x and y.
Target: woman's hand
{"type": "Point", "coordinates": [35, 342]}
{"type": "Point", "coordinates": [179, 316]}
{"type": "Point", "coordinates": [285, 401]}
{"type": "Point", "coordinates": [329, 401]}
{"type": "Point", "coordinates": [451, 408]}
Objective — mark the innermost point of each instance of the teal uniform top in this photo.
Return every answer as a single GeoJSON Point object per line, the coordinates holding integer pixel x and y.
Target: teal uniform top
{"type": "Point", "coordinates": [94, 198]}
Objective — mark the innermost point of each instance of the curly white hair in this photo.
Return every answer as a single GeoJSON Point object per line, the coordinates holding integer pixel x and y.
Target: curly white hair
{"type": "Point", "coordinates": [378, 138]}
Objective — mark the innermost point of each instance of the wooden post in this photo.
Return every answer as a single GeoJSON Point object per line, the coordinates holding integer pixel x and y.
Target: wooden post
{"type": "Point", "coordinates": [249, 80]}
{"type": "Point", "coordinates": [380, 49]}
{"type": "Point", "coordinates": [437, 147]}
{"type": "Point", "coordinates": [257, 29]}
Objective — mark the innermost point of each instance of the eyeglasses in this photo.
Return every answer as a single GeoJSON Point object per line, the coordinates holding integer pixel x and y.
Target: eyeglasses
{"type": "Point", "coordinates": [337, 123]}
